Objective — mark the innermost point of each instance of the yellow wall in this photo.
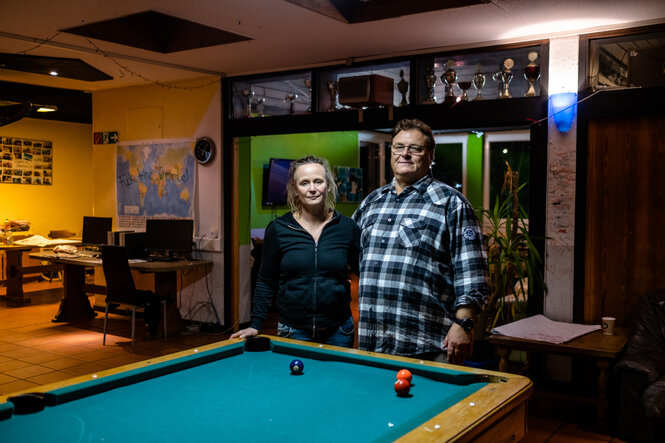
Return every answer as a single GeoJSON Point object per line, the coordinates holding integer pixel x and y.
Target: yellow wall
{"type": "Point", "coordinates": [63, 204]}
{"type": "Point", "coordinates": [180, 110]}
{"type": "Point", "coordinates": [144, 113]}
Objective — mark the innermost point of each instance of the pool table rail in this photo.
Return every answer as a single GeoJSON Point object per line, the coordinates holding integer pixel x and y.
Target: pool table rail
{"type": "Point", "coordinates": [494, 413]}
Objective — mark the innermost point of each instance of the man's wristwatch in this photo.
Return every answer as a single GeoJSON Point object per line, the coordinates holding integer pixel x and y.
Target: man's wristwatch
{"type": "Point", "coordinates": [466, 323]}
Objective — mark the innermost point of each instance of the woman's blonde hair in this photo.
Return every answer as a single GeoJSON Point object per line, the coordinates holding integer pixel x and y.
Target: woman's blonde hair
{"type": "Point", "coordinates": [291, 194]}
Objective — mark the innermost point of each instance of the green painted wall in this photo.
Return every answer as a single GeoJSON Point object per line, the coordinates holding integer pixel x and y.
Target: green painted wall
{"type": "Point", "coordinates": [474, 171]}
{"type": "Point", "coordinates": [340, 148]}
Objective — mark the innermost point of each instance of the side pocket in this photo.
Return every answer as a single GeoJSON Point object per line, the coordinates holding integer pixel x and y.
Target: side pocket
{"type": "Point", "coordinates": [348, 327]}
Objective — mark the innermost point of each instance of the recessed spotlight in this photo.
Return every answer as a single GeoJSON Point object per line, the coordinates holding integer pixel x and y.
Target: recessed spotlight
{"type": "Point", "coordinates": [54, 73]}
{"type": "Point", "coordinates": [46, 108]}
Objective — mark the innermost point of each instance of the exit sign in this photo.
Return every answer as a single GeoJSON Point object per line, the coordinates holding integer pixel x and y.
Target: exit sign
{"type": "Point", "coordinates": [104, 138]}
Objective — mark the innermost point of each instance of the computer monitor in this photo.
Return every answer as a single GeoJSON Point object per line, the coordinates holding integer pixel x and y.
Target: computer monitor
{"type": "Point", "coordinates": [169, 238]}
{"type": "Point", "coordinates": [95, 230]}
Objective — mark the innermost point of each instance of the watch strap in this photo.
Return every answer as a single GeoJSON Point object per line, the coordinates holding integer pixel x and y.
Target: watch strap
{"type": "Point", "coordinates": [466, 323]}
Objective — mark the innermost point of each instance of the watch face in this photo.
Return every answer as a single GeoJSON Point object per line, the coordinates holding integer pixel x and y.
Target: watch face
{"type": "Point", "coordinates": [204, 150]}
{"type": "Point", "coordinates": [466, 323]}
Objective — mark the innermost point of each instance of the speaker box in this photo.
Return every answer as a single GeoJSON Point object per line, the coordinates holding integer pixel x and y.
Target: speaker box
{"type": "Point", "coordinates": [366, 90]}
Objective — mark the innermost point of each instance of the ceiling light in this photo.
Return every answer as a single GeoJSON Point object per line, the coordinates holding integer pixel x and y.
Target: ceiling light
{"type": "Point", "coordinates": [46, 108]}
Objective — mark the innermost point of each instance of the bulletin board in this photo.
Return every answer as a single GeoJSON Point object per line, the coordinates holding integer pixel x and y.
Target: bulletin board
{"type": "Point", "coordinates": [26, 161]}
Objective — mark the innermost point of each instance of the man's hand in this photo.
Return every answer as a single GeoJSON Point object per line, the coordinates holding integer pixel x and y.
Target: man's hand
{"type": "Point", "coordinates": [244, 333]}
{"type": "Point", "coordinates": [459, 344]}
{"type": "Point", "coordinates": [458, 341]}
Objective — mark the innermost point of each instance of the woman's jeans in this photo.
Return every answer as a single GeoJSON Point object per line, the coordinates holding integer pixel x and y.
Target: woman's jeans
{"type": "Point", "coordinates": [341, 336]}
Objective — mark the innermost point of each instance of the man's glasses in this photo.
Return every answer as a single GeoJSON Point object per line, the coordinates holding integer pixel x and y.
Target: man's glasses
{"type": "Point", "coordinates": [412, 149]}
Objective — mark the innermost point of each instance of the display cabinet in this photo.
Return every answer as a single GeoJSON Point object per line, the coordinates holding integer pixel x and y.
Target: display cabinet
{"type": "Point", "coordinates": [633, 60]}
{"type": "Point", "coordinates": [499, 86]}
{"type": "Point", "coordinates": [499, 74]}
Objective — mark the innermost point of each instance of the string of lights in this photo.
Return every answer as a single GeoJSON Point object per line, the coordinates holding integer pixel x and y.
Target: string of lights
{"type": "Point", "coordinates": [123, 68]}
{"type": "Point", "coordinates": [41, 43]}
{"type": "Point", "coordinates": [142, 77]}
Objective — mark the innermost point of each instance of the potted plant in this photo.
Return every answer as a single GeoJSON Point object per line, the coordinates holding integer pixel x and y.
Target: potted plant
{"type": "Point", "coordinates": [514, 262]}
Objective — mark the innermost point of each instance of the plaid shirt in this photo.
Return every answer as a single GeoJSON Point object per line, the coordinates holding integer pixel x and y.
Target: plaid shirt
{"type": "Point", "coordinates": [422, 256]}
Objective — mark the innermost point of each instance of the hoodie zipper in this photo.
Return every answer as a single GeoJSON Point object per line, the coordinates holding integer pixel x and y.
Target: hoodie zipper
{"type": "Point", "coordinates": [316, 273]}
{"type": "Point", "coordinates": [316, 269]}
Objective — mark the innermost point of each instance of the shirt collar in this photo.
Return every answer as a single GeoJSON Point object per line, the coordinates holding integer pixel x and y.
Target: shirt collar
{"type": "Point", "coordinates": [420, 185]}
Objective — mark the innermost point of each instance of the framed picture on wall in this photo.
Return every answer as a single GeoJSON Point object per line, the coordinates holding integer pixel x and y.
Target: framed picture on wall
{"type": "Point", "coordinates": [349, 184]}
{"type": "Point", "coordinates": [27, 162]}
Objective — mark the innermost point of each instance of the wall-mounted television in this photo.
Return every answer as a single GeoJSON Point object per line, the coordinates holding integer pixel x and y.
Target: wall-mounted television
{"type": "Point", "coordinates": [274, 182]}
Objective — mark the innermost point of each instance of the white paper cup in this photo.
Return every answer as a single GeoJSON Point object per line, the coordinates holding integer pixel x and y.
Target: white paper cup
{"type": "Point", "coordinates": [608, 325]}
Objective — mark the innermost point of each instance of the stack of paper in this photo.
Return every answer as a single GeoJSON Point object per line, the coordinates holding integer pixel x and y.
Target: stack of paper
{"type": "Point", "coordinates": [541, 328]}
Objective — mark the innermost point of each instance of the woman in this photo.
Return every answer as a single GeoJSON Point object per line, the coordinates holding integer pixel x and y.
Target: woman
{"type": "Point", "coordinates": [307, 254]}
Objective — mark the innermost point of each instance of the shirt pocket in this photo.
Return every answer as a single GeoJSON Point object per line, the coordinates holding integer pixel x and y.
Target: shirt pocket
{"type": "Point", "coordinates": [410, 232]}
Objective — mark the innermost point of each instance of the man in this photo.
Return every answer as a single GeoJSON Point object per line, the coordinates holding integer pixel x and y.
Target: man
{"type": "Point", "coordinates": [423, 269]}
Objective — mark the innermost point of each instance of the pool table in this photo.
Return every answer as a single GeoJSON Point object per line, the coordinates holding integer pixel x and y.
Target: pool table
{"type": "Point", "coordinates": [244, 391]}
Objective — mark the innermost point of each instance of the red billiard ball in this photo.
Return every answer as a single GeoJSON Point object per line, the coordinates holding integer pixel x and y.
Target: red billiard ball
{"type": "Point", "coordinates": [402, 387]}
{"type": "Point", "coordinates": [404, 374]}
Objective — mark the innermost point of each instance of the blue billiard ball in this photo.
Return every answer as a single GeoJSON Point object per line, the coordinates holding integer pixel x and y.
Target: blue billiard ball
{"type": "Point", "coordinates": [297, 367]}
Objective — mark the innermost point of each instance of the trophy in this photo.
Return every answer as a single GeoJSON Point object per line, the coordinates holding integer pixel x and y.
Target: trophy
{"type": "Point", "coordinates": [308, 85]}
{"type": "Point", "coordinates": [531, 74]}
{"type": "Point", "coordinates": [248, 94]}
{"type": "Point", "coordinates": [430, 81]}
{"type": "Point", "coordinates": [403, 88]}
{"type": "Point", "coordinates": [449, 77]}
{"type": "Point", "coordinates": [464, 86]}
{"type": "Point", "coordinates": [291, 98]}
{"type": "Point", "coordinates": [478, 82]}
{"type": "Point", "coordinates": [504, 77]}
{"type": "Point", "coordinates": [332, 90]}
{"type": "Point", "coordinates": [260, 106]}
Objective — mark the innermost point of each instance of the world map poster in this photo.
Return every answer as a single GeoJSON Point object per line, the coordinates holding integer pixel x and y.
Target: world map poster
{"type": "Point", "coordinates": [154, 180]}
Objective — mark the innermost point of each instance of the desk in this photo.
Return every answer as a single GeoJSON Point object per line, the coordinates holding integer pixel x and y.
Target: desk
{"type": "Point", "coordinates": [75, 304]}
{"type": "Point", "coordinates": [223, 392]}
{"type": "Point", "coordinates": [604, 349]}
{"type": "Point", "coordinates": [16, 271]}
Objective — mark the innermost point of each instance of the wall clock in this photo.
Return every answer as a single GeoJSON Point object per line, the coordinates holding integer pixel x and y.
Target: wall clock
{"type": "Point", "coordinates": [204, 150]}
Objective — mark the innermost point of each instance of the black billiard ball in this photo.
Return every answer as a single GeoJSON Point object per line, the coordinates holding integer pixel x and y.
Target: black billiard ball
{"type": "Point", "coordinates": [297, 367]}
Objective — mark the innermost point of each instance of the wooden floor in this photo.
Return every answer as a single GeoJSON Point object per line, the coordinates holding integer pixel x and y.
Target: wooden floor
{"type": "Point", "coordinates": [34, 351]}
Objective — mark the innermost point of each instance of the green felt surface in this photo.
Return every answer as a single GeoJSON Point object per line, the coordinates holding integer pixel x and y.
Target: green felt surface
{"type": "Point", "coordinates": [247, 397]}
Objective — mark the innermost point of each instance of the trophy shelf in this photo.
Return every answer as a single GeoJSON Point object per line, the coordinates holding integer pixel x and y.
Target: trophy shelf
{"type": "Point", "coordinates": [517, 112]}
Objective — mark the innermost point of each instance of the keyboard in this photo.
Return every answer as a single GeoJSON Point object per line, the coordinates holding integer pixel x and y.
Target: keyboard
{"type": "Point", "coordinates": [162, 258]}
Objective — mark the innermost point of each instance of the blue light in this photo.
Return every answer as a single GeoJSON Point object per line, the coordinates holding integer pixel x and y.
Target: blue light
{"type": "Point", "coordinates": [563, 108]}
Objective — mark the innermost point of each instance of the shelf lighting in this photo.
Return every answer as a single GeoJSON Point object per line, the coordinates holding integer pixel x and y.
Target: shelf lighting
{"type": "Point", "coordinates": [46, 108]}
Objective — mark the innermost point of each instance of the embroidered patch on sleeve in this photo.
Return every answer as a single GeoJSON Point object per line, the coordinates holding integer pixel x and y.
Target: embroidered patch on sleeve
{"type": "Point", "coordinates": [469, 233]}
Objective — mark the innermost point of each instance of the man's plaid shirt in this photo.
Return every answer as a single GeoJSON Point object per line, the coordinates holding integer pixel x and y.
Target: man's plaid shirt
{"type": "Point", "coordinates": [422, 256]}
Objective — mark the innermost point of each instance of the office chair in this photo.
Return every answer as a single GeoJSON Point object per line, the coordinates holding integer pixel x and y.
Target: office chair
{"type": "Point", "coordinates": [120, 288]}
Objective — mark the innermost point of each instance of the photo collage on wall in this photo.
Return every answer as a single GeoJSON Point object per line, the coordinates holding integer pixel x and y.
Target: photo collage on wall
{"type": "Point", "coordinates": [28, 162]}
{"type": "Point", "coordinates": [349, 184]}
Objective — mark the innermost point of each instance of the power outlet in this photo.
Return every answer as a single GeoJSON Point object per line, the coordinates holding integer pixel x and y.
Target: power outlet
{"type": "Point", "coordinates": [208, 243]}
